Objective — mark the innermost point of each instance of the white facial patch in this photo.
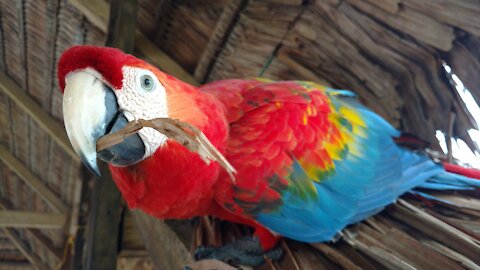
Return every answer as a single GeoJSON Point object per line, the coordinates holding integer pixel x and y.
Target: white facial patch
{"type": "Point", "coordinates": [143, 97]}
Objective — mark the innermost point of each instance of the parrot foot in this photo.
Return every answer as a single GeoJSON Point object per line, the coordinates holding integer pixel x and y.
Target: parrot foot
{"type": "Point", "coordinates": [244, 251]}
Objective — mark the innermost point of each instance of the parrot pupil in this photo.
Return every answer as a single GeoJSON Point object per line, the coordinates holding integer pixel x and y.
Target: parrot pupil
{"type": "Point", "coordinates": [147, 83]}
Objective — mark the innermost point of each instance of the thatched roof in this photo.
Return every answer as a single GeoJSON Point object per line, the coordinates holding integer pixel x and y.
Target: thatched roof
{"type": "Point", "coordinates": [390, 52]}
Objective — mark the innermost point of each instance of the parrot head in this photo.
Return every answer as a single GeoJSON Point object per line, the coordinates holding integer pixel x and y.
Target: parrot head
{"type": "Point", "coordinates": [104, 89]}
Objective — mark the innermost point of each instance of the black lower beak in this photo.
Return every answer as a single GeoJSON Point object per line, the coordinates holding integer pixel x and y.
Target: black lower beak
{"type": "Point", "coordinates": [129, 152]}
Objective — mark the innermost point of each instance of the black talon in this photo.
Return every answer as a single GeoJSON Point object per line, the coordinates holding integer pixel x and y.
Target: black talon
{"type": "Point", "coordinates": [275, 253]}
{"type": "Point", "coordinates": [203, 252]}
{"type": "Point", "coordinates": [244, 251]}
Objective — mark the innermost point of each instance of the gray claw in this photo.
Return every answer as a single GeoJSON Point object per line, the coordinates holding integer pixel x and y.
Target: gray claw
{"type": "Point", "coordinates": [244, 251]}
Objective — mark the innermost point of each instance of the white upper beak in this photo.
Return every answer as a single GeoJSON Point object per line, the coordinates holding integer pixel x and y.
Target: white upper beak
{"type": "Point", "coordinates": [84, 114]}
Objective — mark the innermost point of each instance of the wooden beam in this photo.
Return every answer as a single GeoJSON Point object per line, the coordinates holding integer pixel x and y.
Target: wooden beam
{"type": "Point", "coordinates": [97, 13]}
{"type": "Point", "coordinates": [161, 60]}
{"type": "Point", "coordinates": [42, 118]}
{"type": "Point", "coordinates": [218, 38]}
{"type": "Point", "coordinates": [120, 29]}
{"type": "Point", "coordinates": [15, 265]}
{"type": "Point", "coordinates": [44, 241]}
{"type": "Point", "coordinates": [78, 224]}
{"type": "Point", "coordinates": [162, 243]}
{"type": "Point", "coordinates": [33, 181]}
{"type": "Point", "coordinates": [104, 223]}
{"type": "Point", "coordinates": [23, 248]}
{"type": "Point", "coordinates": [106, 210]}
{"type": "Point", "coordinates": [163, 13]}
{"type": "Point", "coordinates": [24, 219]}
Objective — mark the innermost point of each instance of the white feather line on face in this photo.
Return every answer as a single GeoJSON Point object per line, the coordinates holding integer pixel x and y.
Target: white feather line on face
{"type": "Point", "coordinates": [137, 103]}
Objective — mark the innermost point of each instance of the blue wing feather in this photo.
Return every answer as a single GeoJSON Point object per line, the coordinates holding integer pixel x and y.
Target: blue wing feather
{"type": "Point", "coordinates": [360, 185]}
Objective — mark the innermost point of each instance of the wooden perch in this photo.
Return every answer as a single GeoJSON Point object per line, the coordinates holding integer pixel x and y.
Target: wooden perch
{"type": "Point", "coordinates": [163, 245]}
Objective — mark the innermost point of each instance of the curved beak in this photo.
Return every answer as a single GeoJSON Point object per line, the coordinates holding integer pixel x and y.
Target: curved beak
{"type": "Point", "coordinates": [90, 110]}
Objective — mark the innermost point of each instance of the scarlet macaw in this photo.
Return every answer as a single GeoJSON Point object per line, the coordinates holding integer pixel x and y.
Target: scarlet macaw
{"type": "Point", "coordinates": [310, 160]}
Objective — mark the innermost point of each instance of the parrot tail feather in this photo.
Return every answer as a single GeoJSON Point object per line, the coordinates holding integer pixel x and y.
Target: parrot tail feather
{"type": "Point", "coordinates": [450, 181]}
{"type": "Point", "coordinates": [469, 172]}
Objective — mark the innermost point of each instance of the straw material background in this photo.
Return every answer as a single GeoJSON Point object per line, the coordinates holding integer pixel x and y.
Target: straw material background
{"type": "Point", "coordinates": [389, 52]}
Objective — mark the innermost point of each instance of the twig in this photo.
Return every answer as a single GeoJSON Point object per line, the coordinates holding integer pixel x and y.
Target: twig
{"type": "Point", "coordinates": [185, 134]}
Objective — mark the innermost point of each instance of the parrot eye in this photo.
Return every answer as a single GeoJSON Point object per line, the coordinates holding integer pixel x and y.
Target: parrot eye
{"type": "Point", "coordinates": [147, 82]}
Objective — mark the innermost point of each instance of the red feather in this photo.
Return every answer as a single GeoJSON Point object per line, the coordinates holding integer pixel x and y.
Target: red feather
{"type": "Point", "coordinates": [473, 173]}
{"type": "Point", "coordinates": [106, 61]}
